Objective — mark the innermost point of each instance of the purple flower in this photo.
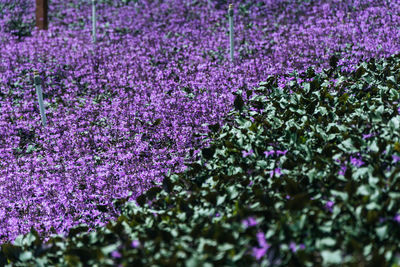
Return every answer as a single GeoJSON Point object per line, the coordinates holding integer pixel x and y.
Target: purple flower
{"type": "Point", "coordinates": [135, 243]}
{"type": "Point", "coordinates": [116, 254]}
{"type": "Point", "coordinates": [259, 252]}
{"type": "Point", "coordinates": [292, 246]}
{"type": "Point", "coordinates": [356, 162]}
{"type": "Point", "coordinates": [397, 218]}
{"type": "Point", "coordinates": [366, 136]}
{"type": "Point", "coordinates": [280, 152]}
{"type": "Point", "coordinates": [329, 205]}
{"type": "Point", "coordinates": [261, 240]}
{"type": "Point", "coordinates": [268, 153]}
{"type": "Point", "coordinates": [343, 169]}
{"type": "Point", "coordinates": [276, 172]}
{"type": "Point", "coordinates": [249, 222]}
{"type": "Point", "coordinates": [245, 153]}
{"type": "Point", "coordinates": [396, 158]}
{"type": "Point", "coordinates": [252, 221]}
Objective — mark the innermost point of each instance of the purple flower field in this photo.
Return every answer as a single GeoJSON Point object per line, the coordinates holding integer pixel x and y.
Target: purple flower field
{"type": "Point", "coordinates": [129, 109]}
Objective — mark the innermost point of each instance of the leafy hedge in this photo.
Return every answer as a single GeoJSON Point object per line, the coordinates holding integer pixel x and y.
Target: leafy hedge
{"type": "Point", "coordinates": [304, 175]}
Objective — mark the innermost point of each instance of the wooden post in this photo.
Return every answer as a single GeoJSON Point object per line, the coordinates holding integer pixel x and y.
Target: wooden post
{"type": "Point", "coordinates": [41, 14]}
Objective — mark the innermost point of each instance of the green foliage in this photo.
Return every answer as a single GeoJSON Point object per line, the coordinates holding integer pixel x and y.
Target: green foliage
{"type": "Point", "coordinates": [18, 27]}
{"type": "Point", "coordinates": [312, 163]}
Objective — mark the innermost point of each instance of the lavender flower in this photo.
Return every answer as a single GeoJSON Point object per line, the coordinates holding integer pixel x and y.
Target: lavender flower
{"type": "Point", "coordinates": [343, 169]}
{"type": "Point", "coordinates": [276, 171]}
{"type": "Point", "coordinates": [366, 136]}
{"type": "Point", "coordinates": [329, 205]}
{"type": "Point", "coordinates": [268, 153]}
{"type": "Point", "coordinates": [259, 252]}
{"type": "Point", "coordinates": [135, 243]}
{"type": "Point", "coordinates": [251, 221]}
{"type": "Point", "coordinates": [116, 254]}
{"type": "Point", "coordinates": [356, 162]}
{"type": "Point", "coordinates": [245, 153]}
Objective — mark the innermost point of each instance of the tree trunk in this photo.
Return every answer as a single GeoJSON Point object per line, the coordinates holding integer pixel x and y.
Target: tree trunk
{"type": "Point", "coordinates": [41, 14]}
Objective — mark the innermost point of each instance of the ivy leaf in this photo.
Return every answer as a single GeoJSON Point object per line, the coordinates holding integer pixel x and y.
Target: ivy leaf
{"type": "Point", "coordinates": [331, 257]}
{"type": "Point", "coordinates": [382, 232]}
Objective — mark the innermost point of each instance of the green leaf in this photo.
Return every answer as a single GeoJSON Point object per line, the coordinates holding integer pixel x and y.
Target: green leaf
{"type": "Point", "coordinates": [382, 232]}
{"type": "Point", "coordinates": [331, 257]}
{"type": "Point", "coordinates": [25, 256]}
{"type": "Point", "coordinates": [110, 248]}
{"type": "Point", "coordinates": [361, 172]}
{"type": "Point", "coordinates": [342, 195]}
{"type": "Point", "coordinates": [325, 242]}
{"type": "Point", "coordinates": [347, 146]}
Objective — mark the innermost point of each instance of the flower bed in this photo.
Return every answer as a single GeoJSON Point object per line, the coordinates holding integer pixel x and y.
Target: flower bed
{"type": "Point", "coordinates": [123, 113]}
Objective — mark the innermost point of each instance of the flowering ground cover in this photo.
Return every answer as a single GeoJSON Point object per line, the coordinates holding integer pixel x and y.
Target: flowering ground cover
{"type": "Point", "coordinates": [123, 113]}
{"type": "Point", "coordinates": [307, 175]}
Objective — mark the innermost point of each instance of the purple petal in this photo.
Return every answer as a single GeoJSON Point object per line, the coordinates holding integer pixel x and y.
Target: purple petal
{"type": "Point", "coordinates": [261, 239]}
{"type": "Point", "coordinates": [330, 204]}
{"type": "Point", "coordinates": [258, 253]}
{"type": "Point", "coordinates": [280, 152]}
{"type": "Point", "coordinates": [343, 169]}
{"type": "Point", "coordinates": [293, 246]}
{"type": "Point", "coordinates": [366, 136]}
{"type": "Point", "coordinates": [135, 243]}
{"type": "Point", "coordinates": [252, 221]}
{"type": "Point", "coordinates": [268, 153]}
{"type": "Point", "coordinates": [116, 254]}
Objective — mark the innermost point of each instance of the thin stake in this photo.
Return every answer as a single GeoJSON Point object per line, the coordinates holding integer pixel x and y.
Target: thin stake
{"type": "Point", "coordinates": [94, 21]}
{"type": "Point", "coordinates": [41, 14]}
{"type": "Point", "coordinates": [230, 15]}
{"type": "Point", "coordinates": [38, 85]}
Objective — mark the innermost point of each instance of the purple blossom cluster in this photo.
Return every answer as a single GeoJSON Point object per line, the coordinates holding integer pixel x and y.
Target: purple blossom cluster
{"type": "Point", "coordinates": [125, 111]}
